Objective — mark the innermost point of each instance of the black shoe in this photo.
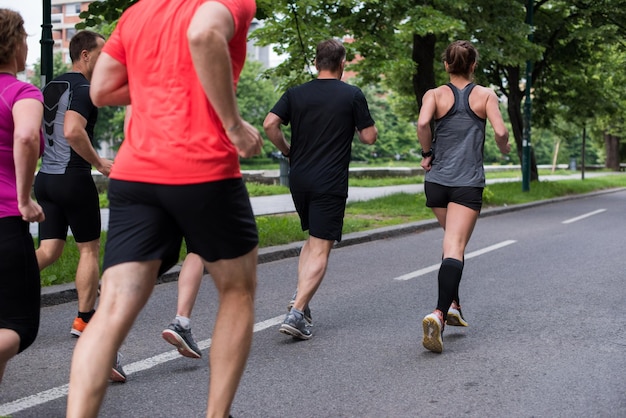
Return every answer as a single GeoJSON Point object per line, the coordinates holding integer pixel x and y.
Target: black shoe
{"type": "Point", "coordinates": [182, 339]}
{"type": "Point", "coordinates": [296, 327]}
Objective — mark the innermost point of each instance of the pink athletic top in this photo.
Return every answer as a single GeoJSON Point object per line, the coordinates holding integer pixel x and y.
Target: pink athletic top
{"type": "Point", "coordinates": [174, 134]}
{"type": "Point", "coordinates": [11, 91]}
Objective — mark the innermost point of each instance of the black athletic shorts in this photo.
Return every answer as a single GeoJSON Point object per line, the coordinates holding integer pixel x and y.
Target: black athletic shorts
{"type": "Point", "coordinates": [321, 214]}
{"type": "Point", "coordinates": [148, 222]}
{"type": "Point", "coordinates": [68, 200]}
{"type": "Point", "coordinates": [20, 286]}
{"type": "Point", "coordinates": [438, 196]}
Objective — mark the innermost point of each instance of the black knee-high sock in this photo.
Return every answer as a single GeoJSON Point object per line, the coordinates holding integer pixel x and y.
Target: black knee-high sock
{"type": "Point", "coordinates": [449, 278]}
{"type": "Point", "coordinates": [456, 294]}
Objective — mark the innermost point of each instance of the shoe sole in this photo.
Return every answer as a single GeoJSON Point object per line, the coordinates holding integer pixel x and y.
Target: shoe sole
{"type": "Point", "coordinates": [177, 341]}
{"type": "Point", "coordinates": [456, 320]}
{"type": "Point", "coordinates": [294, 332]}
{"type": "Point", "coordinates": [432, 335]}
{"type": "Point", "coordinates": [76, 333]}
{"type": "Point", "coordinates": [116, 376]}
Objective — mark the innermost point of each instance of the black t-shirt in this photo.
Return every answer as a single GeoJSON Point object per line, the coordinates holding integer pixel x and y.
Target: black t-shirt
{"type": "Point", "coordinates": [323, 114]}
{"type": "Point", "coordinates": [69, 91]}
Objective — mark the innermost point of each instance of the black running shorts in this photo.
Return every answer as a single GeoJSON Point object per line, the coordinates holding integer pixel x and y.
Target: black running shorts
{"type": "Point", "coordinates": [438, 196]}
{"type": "Point", "coordinates": [68, 200]}
{"type": "Point", "coordinates": [148, 222]}
{"type": "Point", "coordinates": [20, 287]}
{"type": "Point", "coordinates": [321, 214]}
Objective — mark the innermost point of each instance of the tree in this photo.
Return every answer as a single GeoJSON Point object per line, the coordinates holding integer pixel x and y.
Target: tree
{"type": "Point", "coordinates": [397, 137]}
{"type": "Point", "coordinates": [255, 96]}
{"type": "Point", "coordinates": [58, 67]}
{"type": "Point", "coordinates": [399, 42]}
{"type": "Point", "coordinates": [396, 44]}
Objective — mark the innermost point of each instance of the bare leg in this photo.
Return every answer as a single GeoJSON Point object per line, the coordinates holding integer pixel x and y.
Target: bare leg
{"type": "Point", "coordinates": [48, 252]}
{"type": "Point", "coordinates": [311, 269]}
{"type": "Point", "coordinates": [88, 274]}
{"type": "Point", "coordinates": [189, 281]}
{"type": "Point", "coordinates": [459, 225]}
{"type": "Point", "coordinates": [235, 281]}
{"type": "Point", "coordinates": [9, 346]}
{"type": "Point", "coordinates": [125, 290]}
{"type": "Point", "coordinates": [458, 222]}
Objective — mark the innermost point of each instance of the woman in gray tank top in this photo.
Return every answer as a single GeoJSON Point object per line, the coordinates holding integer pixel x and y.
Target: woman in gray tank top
{"type": "Point", "coordinates": [455, 177]}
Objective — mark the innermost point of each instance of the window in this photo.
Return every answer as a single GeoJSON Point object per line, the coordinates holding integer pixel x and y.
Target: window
{"type": "Point", "coordinates": [72, 9]}
{"type": "Point", "coordinates": [69, 33]}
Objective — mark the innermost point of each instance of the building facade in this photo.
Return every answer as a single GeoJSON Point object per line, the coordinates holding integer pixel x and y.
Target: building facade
{"type": "Point", "coordinates": [64, 17]}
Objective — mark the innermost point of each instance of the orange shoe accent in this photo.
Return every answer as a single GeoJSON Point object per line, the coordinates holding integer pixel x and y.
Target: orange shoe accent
{"type": "Point", "coordinates": [78, 327]}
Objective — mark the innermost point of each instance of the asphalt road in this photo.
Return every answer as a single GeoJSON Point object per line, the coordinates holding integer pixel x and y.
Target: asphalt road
{"type": "Point", "coordinates": [542, 291]}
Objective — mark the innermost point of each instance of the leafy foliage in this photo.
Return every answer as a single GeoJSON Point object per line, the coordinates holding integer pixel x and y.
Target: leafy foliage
{"type": "Point", "coordinates": [103, 13]}
{"type": "Point", "coordinates": [575, 46]}
{"type": "Point", "coordinates": [255, 96]}
{"type": "Point", "coordinates": [58, 67]}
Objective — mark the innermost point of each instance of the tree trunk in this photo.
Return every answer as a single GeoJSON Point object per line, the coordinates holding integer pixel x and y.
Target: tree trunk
{"type": "Point", "coordinates": [424, 57]}
{"type": "Point", "coordinates": [611, 144]}
{"type": "Point", "coordinates": [555, 157]}
{"type": "Point", "coordinates": [582, 158]}
{"type": "Point", "coordinates": [514, 110]}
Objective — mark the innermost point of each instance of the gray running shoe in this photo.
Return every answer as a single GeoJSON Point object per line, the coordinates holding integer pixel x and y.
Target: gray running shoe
{"type": "Point", "coordinates": [296, 327]}
{"type": "Point", "coordinates": [307, 310]}
{"type": "Point", "coordinates": [182, 339]}
{"type": "Point", "coordinates": [117, 373]}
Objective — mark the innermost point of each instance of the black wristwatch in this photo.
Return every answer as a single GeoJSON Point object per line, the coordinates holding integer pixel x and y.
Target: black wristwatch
{"type": "Point", "coordinates": [427, 154]}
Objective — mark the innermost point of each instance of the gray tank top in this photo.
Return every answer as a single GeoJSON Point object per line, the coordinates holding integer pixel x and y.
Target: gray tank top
{"type": "Point", "coordinates": [458, 144]}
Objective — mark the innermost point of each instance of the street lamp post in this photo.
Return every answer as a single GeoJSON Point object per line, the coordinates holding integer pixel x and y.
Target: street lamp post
{"type": "Point", "coordinates": [46, 44]}
{"type": "Point", "coordinates": [526, 134]}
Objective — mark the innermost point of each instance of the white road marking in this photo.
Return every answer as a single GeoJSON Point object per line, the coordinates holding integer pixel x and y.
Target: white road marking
{"type": "Point", "coordinates": [586, 215]}
{"type": "Point", "coordinates": [435, 267]}
{"type": "Point", "coordinates": [138, 366]}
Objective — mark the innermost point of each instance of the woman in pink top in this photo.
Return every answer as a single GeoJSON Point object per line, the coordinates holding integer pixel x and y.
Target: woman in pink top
{"type": "Point", "coordinates": [21, 143]}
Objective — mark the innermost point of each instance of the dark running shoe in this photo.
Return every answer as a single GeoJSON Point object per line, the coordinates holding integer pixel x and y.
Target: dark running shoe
{"type": "Point", "coordinates": [296, 327]}
{"type": "Point", "coordinates": [455, 317]}
{"type": "Point", "coordinates": [307, 310]}
{"type": "Point", "coordinates": [182, 339]}
{"type": "Point", "coordinates": [117, 373]}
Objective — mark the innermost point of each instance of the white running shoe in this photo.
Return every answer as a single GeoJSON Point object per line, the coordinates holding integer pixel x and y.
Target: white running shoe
{"type": "Point", "coordinates": [433, 329]}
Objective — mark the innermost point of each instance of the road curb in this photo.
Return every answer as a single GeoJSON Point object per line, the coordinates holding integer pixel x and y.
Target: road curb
{"type": "Point", "coordinates": [64, 293]}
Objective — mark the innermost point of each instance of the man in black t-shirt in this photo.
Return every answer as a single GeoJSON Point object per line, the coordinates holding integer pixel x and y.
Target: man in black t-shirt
{"type": "Point", "coordinates": [64, 186]}
{"type": "Point", "coordinates": [324, 115]}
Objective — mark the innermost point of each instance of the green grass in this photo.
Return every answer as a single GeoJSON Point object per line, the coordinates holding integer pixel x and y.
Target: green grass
{"type": "Point", "coordinates": [257, 189]}
{"type": "Point", "coordinates": [384, 181]}
{"type": "Point", "coordinates": [360, 216]}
